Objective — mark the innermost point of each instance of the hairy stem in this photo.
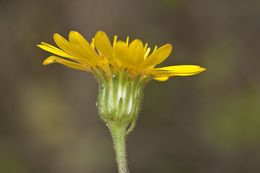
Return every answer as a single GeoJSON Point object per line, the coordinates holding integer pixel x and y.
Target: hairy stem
{"type": "Point", "coordinates": [119, 136]}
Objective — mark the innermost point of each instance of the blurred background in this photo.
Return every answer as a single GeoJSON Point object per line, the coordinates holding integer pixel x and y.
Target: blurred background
{"type": "Point", "coordinates": [208, 123]}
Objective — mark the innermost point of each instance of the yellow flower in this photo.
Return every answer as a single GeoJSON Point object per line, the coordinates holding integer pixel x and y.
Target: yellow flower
{"type": "Point", "coordinates": [135, 57]}
{"type": "Point", "coordinates": [122, 70]}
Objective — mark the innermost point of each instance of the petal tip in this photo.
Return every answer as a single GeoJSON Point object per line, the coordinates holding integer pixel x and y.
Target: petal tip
{"type": "Point", "coordinates": [100, 32]}
{"type": "Point", "coordinates": [49, 60]}
{"type": "Point", "coordinates": [168, 46]}
{"type": "Point", "coordinates": [72, 32]}
{"type": "Point", "coordinates": [161, 79]}
{"type": "Point", "coordinates": [202, 69]}
{"type": "Point", "coordinates": [101, 35]}
{"type": "Point", "coordinates": [56, 35]}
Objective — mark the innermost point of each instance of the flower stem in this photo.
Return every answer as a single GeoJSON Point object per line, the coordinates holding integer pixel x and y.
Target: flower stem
{"type": "Point", "coordinates": [119, 136]}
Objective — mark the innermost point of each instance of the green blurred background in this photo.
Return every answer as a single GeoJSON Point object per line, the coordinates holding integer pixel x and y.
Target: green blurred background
{"type": "Point", "coordinates": [208, 123]}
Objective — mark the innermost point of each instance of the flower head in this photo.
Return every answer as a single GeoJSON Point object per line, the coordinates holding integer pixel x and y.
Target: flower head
{"type": "Point", "coordinates": [134, 57]}
{"type": "Point", "coordinates": [122, 69]}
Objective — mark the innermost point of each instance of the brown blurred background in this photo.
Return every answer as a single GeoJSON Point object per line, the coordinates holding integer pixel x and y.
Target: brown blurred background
{"type": "Point", "coordinates": [208, 123]}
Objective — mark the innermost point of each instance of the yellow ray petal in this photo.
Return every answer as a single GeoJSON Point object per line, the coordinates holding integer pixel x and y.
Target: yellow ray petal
{"type": "Point", "coordinates": [83, 47]}
{"type": "Point", "coordinates": [158, 56]}
{"type": "Point", "coordinates": [59, 52]}
{"type": "Point", "coordinates": [54, 50]}
{"type": "Point", "coordinates": [53, 47]}
{"type": "Point", "coordinates": [103, 44]}
{"type": "Point", "coordinates": [55, 59]}
{"type": "Point", "coordinates": [179, 70]}
{"type": "Point", "coordinates": [136, 53]}
{"type": "Point", "coordinates": [77, 39]}
{"type": "Point", "coordinates": [121, 53]}
{"type": "Point", "coordinates": [161, 78]}
{"type": "Point", "coordinates": [71, 49]}
{"type": "Point", "coordinates": [64, 45]}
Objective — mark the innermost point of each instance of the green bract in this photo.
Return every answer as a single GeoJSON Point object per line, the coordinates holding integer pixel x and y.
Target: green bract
{"type": "Point", "coordinates": [120, 98]}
